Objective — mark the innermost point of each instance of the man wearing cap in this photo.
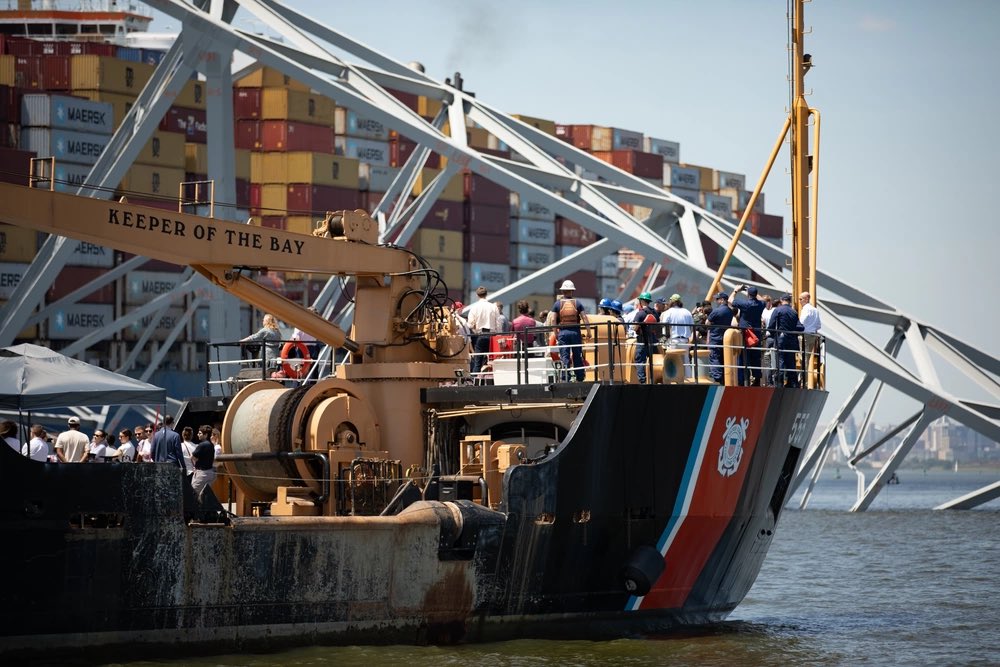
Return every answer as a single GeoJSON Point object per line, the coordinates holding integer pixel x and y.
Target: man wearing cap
{"type": "Point", "coordinates": [645, 334]}
{"type": "Point", "coordinates": [71, 445]}
{"type": "Point", "coordinates": [751, 309]}
{"type": "Point", "coordinates": [784, 326]}
{"type": "Point", "coordinates": [483, 319]}
{"type": "Point", "coordinates": [568, 314]}
{"type": "Point", "coordinates": [720, 319]}
{"type": "Point", "coordinates": [680, 324]}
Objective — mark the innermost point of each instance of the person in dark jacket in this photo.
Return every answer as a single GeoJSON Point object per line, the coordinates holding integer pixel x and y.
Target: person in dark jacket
{"type": "Point", "coordinates": [645, 334]}
{"type": "Point", "coordinates": [784, 326]}
{"type": "Point", "coordinates": [751, 310]}
{"type": "Point", "coordinates": [719, 320]}
{"type": "Point", "coordinates": [167, 445]}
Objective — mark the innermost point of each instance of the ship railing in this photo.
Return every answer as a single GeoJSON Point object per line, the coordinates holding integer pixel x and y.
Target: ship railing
{"type": "Point", "coordinates": [615, 352]}
{"type": "Point", "coordinates": [256, 362]}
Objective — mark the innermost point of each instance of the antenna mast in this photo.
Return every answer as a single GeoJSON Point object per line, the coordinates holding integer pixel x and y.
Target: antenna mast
{"type": "Point", "coordinates": [805, 169]}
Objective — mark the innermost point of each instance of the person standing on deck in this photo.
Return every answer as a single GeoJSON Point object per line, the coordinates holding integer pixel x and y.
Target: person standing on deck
{"type": "Point", "coordinates": [785, 326]}
{"type": "Point", "coordinates": [167, 444]}
{"type": "Point", "coordinates": [71, 445]}
{"type": "Point", "coordinates": [751, 309]}
{"type": "Point", "coordinates": [719, 320]}
{"type": "Point", "coordinates": [483, 319]}
{"type": "Point", "coordinates": [568, 314]}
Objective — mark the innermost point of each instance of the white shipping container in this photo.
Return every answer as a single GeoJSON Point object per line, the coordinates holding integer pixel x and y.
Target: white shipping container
{"type": "Point", "coordinates": [78, 147]}
{"type": "Point", "coordinates": [90, 254]}
{"type": "Point", "coordinates": [626, 140]}
{"type": "Point", "coordinates": [67, 113]}
{"type": "Point", "coordinates": [745, 199]}
{"type": "Point", "coordinates": [162, 326]}
{"type": "Point", "coordinates": [718, 204]}
{"type": "Point", "coordinates": [10, 277]}
{"type": "Point", "coordinates": [670, 150]}
{"type": "Point", "coordinates": [608, 288]}
{"type": "Point", "coordinates": [530, 256]}
{"type": "Point", "coordinates": [521, 207]}
{"type": "Point", "coordinates": [675, 176]}
{"type": "Point", "coordinates": [491, 276]}
{"type": "Point", "coordinates": [608, 266]}
{"type": "Point", "coordinates": [538, 232]}
{"type": "Point", "coordinates": [350, 123]}
{"type": "Point", "coordinates": [376, 178]}
{"type": "Point", "coordinates": [69, 177]}
{"type": "Point", "coordinates": [692, 196]}
{"type": "Point", "coordinates": [364, 150]}
{"type": "Point", "coordinates": [78, 320]}
{"type": "Point", "coordinates": [726, 179]}
{"type": "Point", "coordinates": [143, 286]}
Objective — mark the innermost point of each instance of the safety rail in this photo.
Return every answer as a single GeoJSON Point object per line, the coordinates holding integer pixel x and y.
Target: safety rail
{"type": "Point", "coordinates": [298, 363]}
{"type": "Point", "coordinates": [616, 352]}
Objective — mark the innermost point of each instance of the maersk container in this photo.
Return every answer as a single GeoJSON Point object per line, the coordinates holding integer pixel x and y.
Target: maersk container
{"type": "Point", "coordinates": [69, 177]}
{"type": "Point", "coordinates": [143, 286]}
{"type": "Point", "coordinates": [77, 320]}
{"type": "Point", "coordinates": [538, 232]}
{"type": "Point", "coordinates": [525, 208]}
{"type": "Point", "coordinates": [608, 266]}
{"type": "Point", "coordinates": [608, 287]}
{"type": "Point", "coordinates": [669, 150]}
{"type": "Point", "coordinates": [726, 179]}
{"type": "Point", "coordinates": [491, 276]}
{"type": "Point", "coordinates": [91, 254]}
{"type": "Point", "coordinates": [349, 122]}
{"type": "Point", "coordinates": [162, 325]}
{"type": "Point", "coordinates": [720, 205]}
{"type": "Point", "coordinates": [376, 177]}
{"type": "Point", "coordinates": [687, 194]}
{"type": "Point", "coordinates": [69, 113]}
{"type": "Point", "coordinates": [363, 150]}
{"type": "Point", "coordinates": [530, 256]}
{"type": "Point", "coordinates": [676, 176]}
{"type": "Point", "coordinates": [68, 145]}
{"type": "Point", "coordinates": [626, 140]}
{"type": "Point", "coordinates": [10, 278]}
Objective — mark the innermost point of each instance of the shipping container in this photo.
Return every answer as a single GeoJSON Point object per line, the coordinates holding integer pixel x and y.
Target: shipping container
{"type": "Point", "coordinates": [376, 177]}
{"type": "Point", "coordinates": [643, 165]}
{"type": "Point", "coordinates": [529, 256]}
{"type": "Point", "coordinates": [91, 254]}
{"type": "Point", "coordinates": [400, 149]}
{"type": "Point", "coordinates": [192, 95]}
{"type": "Point", "coordinates": [371, 199]}
{"type": "Point", "coordinates": [705, 175]}
{"type": "Point", "coordinates": [669, 150]}
{"type": "Point", "coordinates": [608, 287]}
{"type": "Point", "coordinates": [719, 205]}
{"type": "Point", "coordinates": [78, 147]}
{"type": "Point", "coordinates": [145, 179]}
{"type": "Point", "coordinates": [454, 190]}
{"type": "Point", "coordinates": [162, 325]}
{"type": "Point", "coordinates": [546, 126]}
{"type": "Point", "coordinates": [109, 74]}
{"type": "Point", "coordinates": [364, 150]}
{"type": "Point", "coordinates": [677, 176]}
{"type": "Point", "coordinates": [164, 149]}
{"type": "Point", "coordinates": [191, 123]}
{"type": "Point", "coordinates": [491, 276]}
{"type": "Point", "coordinates": [296, 105]}
{"type": "Point", "coordinates": [65, 112]}
{"type": "Point", "coordinates": [11, 274]}
{"type": "Point", "coordinates": [693, 196]}
{"type": "Point", "coordinates": [437, 243]}
{"type": "Point", "coordinates": [56, 73]}
{"type": "Point", "coordinates": [764, 224]}
{"type": "Point", "coordinates": [350, 123]}
{"type": "Point", "coordinates": [409, 99]}
{"type": "Point", "coordinates": [317, 199]}
{"type": "Point", "coordinates": [27, 333]}
{"type": "Point", "coordinates": [448, 215]}
{"type": "Point", "coordinates": [570, 233]}
{"type": "Point", "coordinates": [141, 287]}
{"type": "Point", "coordinates": [486, 248]}
{"type": "Point", "coordinates": [315, 168]}
{"type": "Point", "coordinates": [494, 220]}
{"type": "Point", "coordinates": [281, 135]}
{"type": "Point", "coordinates": [77, 320]}
{"type": "Point", "coordinates": [301, 224]}
{"type": "Point", "coordinates": [564, 132]}
{"type": "Point", "coordinates": [7, 70]}
{"type": "Point", "coordinates": [626, 140]}
{"type": "Point", "coordinates": [16, 166]}
{"type": "Point", "coordinates": [270, 221]}
{"type": "Point", "coordinates": [586, 284]}
{"type": "Point", "coordinates": [726, 179]}
{"type": "Point", "coordinates": [482, 191]}
{"type": "Point", "coordinates": [608, 266]}
{"type": "Point", "coordinates": [72, 278]}
{"type": "Point", "coordinates": [451, 271]}
{"type": "Point", "coordinates": [268, 77]}
{"type": "Point", "coordinates": [538, 232]}
{"type": "Point", "coordinates": [120, 104]}
{"type": "Point", "coordinates": [196, 160]}
{"type": "Point", "coordinates": [744, 199]}
{"type": "Point", "coordinates": [28, 72]}
{"type": "Point", "coordinates": [246, 103]}
{"type": "Point", "coordinates": [152, 56]}
{"type": "Point", "coordinates": [592, 137]}
{"type": "Point", "coordinates": [477, 137]}
{"type": "Point", "coordinates": [525, 208]}
{"type": "Point", "coordinates": [129, 53]}
{"type": "Point", "coordinates": [428, 107]}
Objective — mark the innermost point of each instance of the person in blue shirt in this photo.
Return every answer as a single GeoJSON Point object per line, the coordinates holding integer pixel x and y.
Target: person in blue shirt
{"type": "Point", "coordinates": [720, 319]}
{"type": "Point", "coordinates": [784, 325]}
{"type": "Point", "coordinates": [751, 310]}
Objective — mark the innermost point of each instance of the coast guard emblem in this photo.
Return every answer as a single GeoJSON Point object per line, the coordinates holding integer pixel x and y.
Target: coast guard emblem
{"type": "Point", "coordinates": [731, 452]}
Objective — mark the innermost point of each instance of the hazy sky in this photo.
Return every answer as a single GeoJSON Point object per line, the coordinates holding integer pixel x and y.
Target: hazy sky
{"type": "Point", "coordinates": [908, 90]}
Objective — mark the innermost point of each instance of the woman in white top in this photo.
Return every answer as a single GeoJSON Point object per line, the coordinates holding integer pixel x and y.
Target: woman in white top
{"type": "Point", "coordinates": [187, 446]}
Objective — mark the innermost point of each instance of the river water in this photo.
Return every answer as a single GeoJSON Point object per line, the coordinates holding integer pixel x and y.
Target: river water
{"type": "Point", "coordinates": [897, 585]}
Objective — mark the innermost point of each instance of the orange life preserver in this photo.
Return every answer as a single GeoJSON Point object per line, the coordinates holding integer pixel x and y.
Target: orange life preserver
{"type": "Point", "coordinates": [289, 370]}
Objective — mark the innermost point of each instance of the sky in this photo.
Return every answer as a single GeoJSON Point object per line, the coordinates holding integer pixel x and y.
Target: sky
{"type": "Point", "coordinates": [907, 89]}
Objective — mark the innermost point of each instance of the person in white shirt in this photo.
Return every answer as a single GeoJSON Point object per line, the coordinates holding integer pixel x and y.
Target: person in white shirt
{"type": "Point", "coordinates": [681, 324]}
{"type": "Point", "coordinates": [126, 451]}
{"type": "Point", "coordinates": [145, 443]}
{"type": "Point", "coordinates": [36, 449]}
{"type": "Point", "coordinates": [98, 451]}
{"type": "Point", "coordinates": [483, 318]}
{"type": "Point", "coordinates": [8, 433]}
{"type": "Point", "coordinates": [71, 445]}
{"type": "Point", "coordinates": [187, 447]}
{"type": "Point", "coordinates": [215, 440]}
{"type": "Point", "coordinates": [809, 317]}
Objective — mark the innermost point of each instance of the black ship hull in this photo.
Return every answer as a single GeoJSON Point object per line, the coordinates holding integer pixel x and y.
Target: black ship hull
{"type": "Point", "coordinates": [656, 510]}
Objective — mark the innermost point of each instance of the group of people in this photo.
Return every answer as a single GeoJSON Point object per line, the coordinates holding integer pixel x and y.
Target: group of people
{"type": "Point", "coordinates": [192, 450]}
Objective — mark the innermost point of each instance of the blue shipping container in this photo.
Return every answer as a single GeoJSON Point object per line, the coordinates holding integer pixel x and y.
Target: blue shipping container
{"type": "Point", "coordinates": [130, 53]}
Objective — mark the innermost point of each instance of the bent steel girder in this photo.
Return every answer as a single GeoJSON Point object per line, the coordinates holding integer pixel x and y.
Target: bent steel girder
{"type": "Point", "coordinates": [571, 182]}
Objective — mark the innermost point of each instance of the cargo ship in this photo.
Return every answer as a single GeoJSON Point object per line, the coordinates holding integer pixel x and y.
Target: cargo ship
{"type": "Point", "coordinates": [397, 501]}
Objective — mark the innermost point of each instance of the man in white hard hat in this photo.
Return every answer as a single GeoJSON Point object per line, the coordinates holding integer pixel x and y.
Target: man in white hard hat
{"type": "Point", "coordinates": [567, 313]}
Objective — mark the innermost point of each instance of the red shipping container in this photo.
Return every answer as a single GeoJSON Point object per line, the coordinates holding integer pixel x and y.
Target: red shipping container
{"type": "Point", "coordinates": [585, 281]}
{"type": "Point", "coordinates": [56, 72]}
{"type": "Point", "coordinates": [400, 149]}
{"type": "Point", "coordinates": [273, 221]}
{"type": "Point", "coordinates": [90, 49]}
{"type": "Point", "coordinates": [565, 132]}
{"type": "Point", "coordinates": [479, 190]}
{"type": "Point", "coordinates": [369, 200]}
{"type": "Point", "coordinates": [765, 224]}
{"type": "Point", "coordinates": [570, 233]}
{"type": "Point", "coordinates": [189, 122]}
{"type": "Point", "coordinates": [22, 47]}
{"type": "Point", "coordinates": [409, 99]}
{"type": "Point", "coordinates": [445, 215]}
{"type": "Point", "coordinates": [493, 220]}
{"type": "Point", "coordinates": [288, 135]}
{"type": "Point", "coordinates": [16, 164]}
{"type": "Point", "coordinates": [486, 248]}
{"type": "Point", "coordinates": [305, 198]}
{"type": "Point", "coordinates": [28, 73]}
{"type": "Point", "coordinates": [242, 193]}
{"type": "Point", "coordinates": [74, 277]}
{"type": "Point", "coordinates": [248, 134]}
{"type": "Point", "coordinates": [167, 204]}
{"type": "Point", "coordinates": [253, 202]}
{"type": "Point", "coordinates": [643, 165]}
{"type": "Point", "coordinates": [246, 103]}
{"type": "Point", "coordinates": [10, 105]}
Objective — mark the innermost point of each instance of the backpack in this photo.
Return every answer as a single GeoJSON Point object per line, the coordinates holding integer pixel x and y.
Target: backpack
{"type": "Point", "coordinates": [568, 314]}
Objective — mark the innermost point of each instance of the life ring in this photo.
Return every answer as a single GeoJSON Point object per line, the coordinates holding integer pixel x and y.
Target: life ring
{"type": "Point", "coordinates": [303, 353]}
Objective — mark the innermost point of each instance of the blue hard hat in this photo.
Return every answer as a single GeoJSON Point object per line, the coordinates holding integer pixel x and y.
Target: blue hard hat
{"type": "Point", "coordinates": [629, 307]}
{"type": "Point", "coordinates": [605, 303]}
{"type": "Point", "coordinates": [616, 306]}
